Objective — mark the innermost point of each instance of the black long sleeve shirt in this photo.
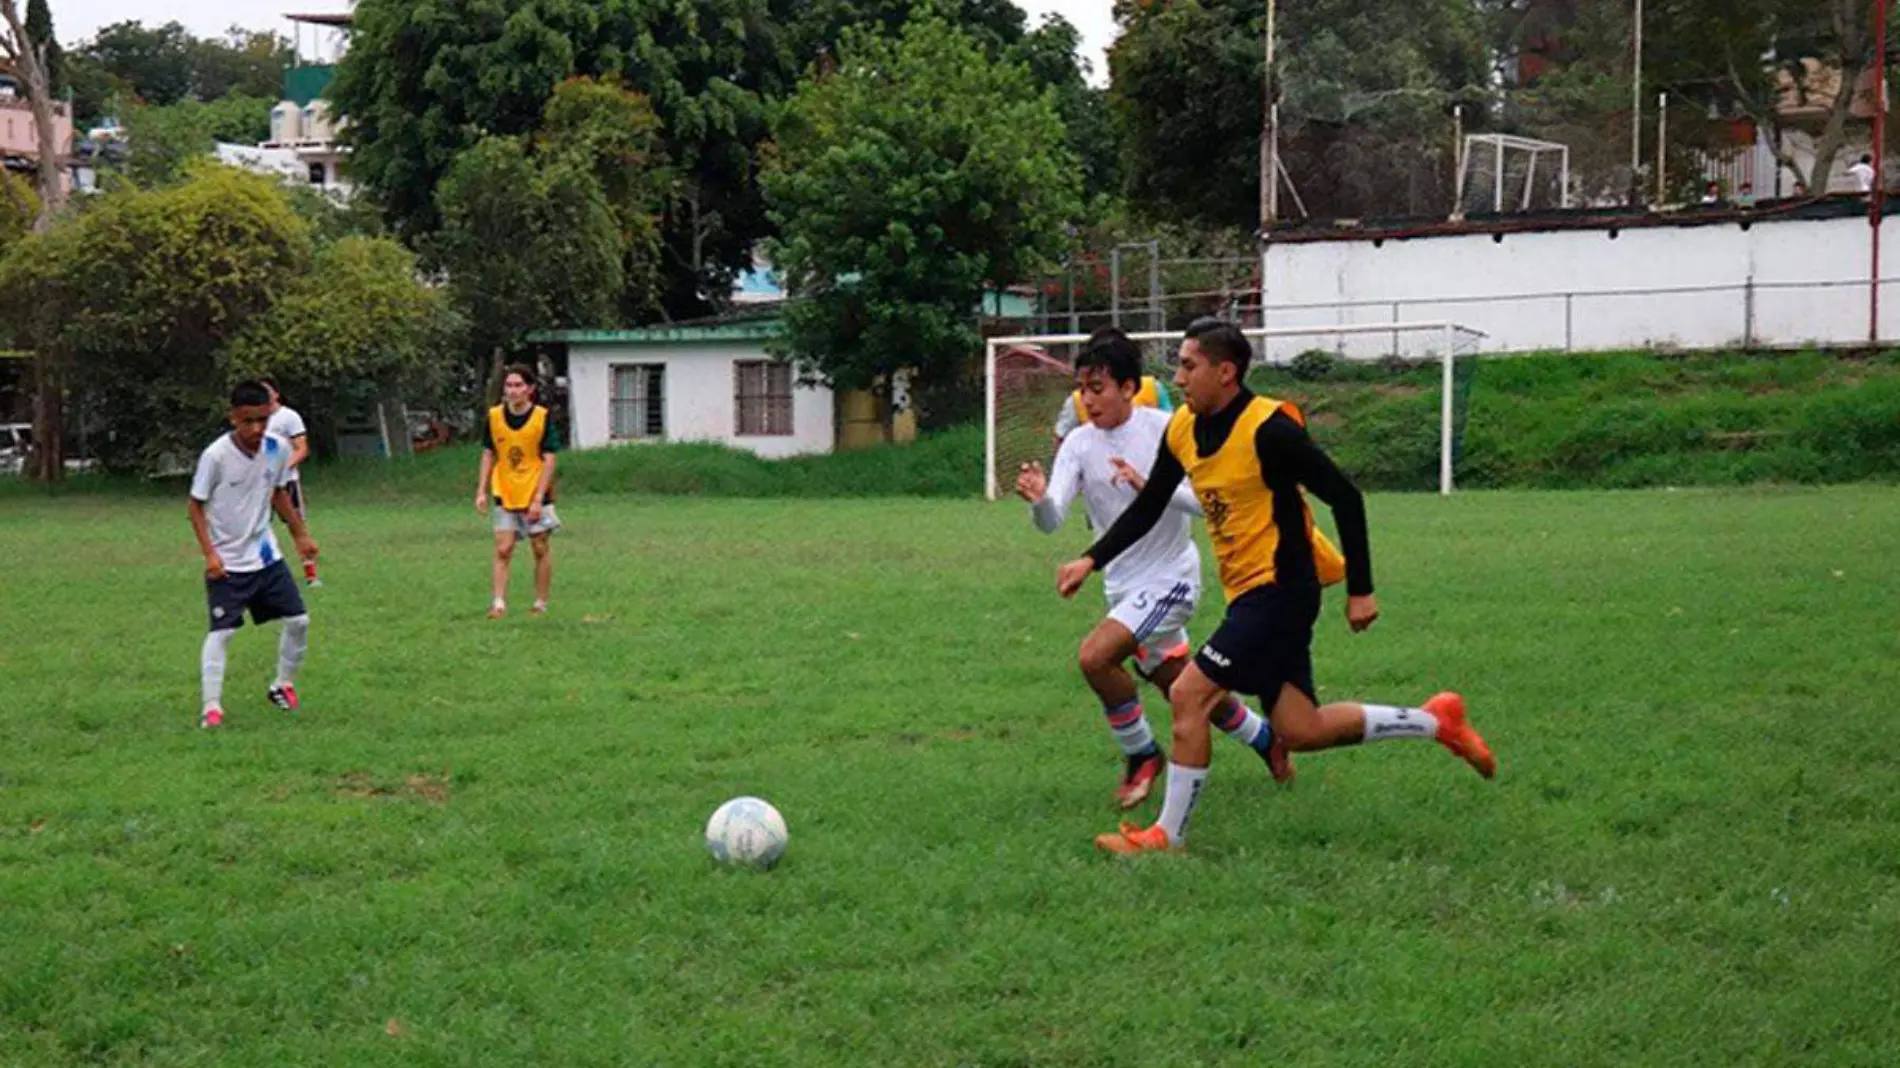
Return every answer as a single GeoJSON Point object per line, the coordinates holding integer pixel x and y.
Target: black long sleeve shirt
{"type": "Point", "coordinates": [1289, 459]}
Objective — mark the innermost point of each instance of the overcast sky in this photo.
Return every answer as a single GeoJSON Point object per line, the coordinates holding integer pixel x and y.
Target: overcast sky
{"type": "Point", "coordinates": [79, 19]}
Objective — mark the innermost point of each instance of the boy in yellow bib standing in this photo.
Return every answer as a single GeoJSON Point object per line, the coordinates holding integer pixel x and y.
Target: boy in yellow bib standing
{"type": "Point", "coordinates": [519, 443]}
{"type": "Point", "coordinates": [1248, 458]}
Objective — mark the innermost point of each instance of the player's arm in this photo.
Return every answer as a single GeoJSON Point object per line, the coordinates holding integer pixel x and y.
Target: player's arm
{"type": "Point", "coordinates": [299, 533]}
{"type": "Point", "coordinates": [488, 465]}
{"type": "Point", "coordinates": [1133, 524]}
{"type": "Point", "coordinates": [1051, 507]}
{"type": "Point", "coordinates": [299, 449]}
{"type": "Point", "coordinates": [1066, 419]}
{"type": "Point", "coordinates": [1284, 445]}
{"type": "Point", "coordinates": [550, 444]}
{"type": "Point", "coordinates": [202, 482]}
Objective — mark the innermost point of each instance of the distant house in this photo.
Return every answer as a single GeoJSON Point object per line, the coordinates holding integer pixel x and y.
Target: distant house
{"type": "Point", "coordinates": [302, 124]}
{"type": "Point", "coordinates": [20, 136]}
{"type": "Point", "coordinates": [708, 383]}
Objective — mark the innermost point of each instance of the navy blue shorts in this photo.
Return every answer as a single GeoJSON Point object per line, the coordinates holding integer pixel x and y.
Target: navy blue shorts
{"type": "Point", "coordinates": [295, 488]}
{"type": "Point", "coordinates": [268, 594]}
{"type": "Point", "coordinates": [1265, 643]}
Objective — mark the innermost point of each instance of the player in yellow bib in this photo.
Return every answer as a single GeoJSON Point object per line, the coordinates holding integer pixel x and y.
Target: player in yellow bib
{"type": "Point", "coordinates": [519, 443]}
{"type": "Point", "coordinates": [1248, 457]}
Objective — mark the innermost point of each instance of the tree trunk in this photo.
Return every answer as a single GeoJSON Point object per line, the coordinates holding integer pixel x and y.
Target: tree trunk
{"type": "Point", "coordinates": [29, 61]}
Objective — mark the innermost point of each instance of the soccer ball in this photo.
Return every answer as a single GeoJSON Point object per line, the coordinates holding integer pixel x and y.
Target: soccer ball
{"type": "Point", "coordinates": [746, 832]}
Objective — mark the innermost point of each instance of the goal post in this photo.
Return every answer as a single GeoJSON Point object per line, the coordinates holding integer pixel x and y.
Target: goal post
{"type": "Point", "coordinates": [1028, 379]}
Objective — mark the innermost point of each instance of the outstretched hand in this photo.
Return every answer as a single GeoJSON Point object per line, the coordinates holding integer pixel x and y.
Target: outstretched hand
{"type": "Point", "coordinates": [1070, 577]}
{"type": "Point", "coordinates": [1031, 483]}
{"type": "Point", "coordinates": [1126, 472]}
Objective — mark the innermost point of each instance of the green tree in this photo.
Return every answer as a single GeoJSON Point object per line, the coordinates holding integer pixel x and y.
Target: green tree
{"type": "Point", "coordinates": [153, 63]}
{"type": "Point", "coordinates": [163, 143]}
{"type": "Point", "coordinates": [527, 244]}
{"type": "Point", "coordinates": [1051, 52]}
{"type": "Point", "coordinates": [612, 133]}
{"type": "Point", "coordinates": [39, 29]}
{"type": "Point", "coordinates": [918, 172]}
{"type": "Point", "coordinates": [138, 297]}
{"type": "Point", "coordinates": [424, 81]}
{"type": "Point", "coordinates": [19, 209]}
{"type": "Point", "coordinates": [1365, 93]}
{"type": "Point", "coordinates": [356, 327]}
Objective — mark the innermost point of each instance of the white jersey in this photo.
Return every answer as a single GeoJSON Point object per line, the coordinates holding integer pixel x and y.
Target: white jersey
{"type": "Point", "coordinates": [286, 424]}
{"type": "Point", "coordinates": [236, 489]}
{"type": "Point", "coordinates": [1166, 555]}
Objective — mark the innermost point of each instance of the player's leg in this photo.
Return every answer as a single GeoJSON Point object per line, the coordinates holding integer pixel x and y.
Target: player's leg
{"type": "Point", "coordinates": [1305, 725]}
{"type": "Point", "coordinates": [224, 599]}
{"type": "Point", "coordinates": [295, 489]}
{"type": "Point", "coordinates": [506, 533]}
{"type": "Point", "coordinates": [1100, 658]}
{"type": "Point", "coordinates": [1191, 701]}
{"type": "Point", "coordinates": [277, 597]}
{"type": "Point", "coordinates": [1162, 659]}
{"type": "Point", "coordinates": [543, 571]}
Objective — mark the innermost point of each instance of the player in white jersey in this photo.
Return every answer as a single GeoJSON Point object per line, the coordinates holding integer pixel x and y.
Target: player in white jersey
{"type": "Point", "coordinates": [287, 423]}
{"type": "Point", "coordinates": [241, 478]}
{"type": "Point", "coordinates": [1154, 587]}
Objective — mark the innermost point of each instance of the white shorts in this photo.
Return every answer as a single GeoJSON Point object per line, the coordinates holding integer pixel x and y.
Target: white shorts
{"type": "Point", "coordinates": [1157, 616]}
{"type": "Point", "coordinates": [516, 523]}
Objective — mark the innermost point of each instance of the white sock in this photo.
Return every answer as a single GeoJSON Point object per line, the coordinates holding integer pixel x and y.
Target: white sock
{"type": "Point", "coordinates": [1385, 723]}
{"type": "Point", "coordinates": [1240, 723]}
{"type": "Point", "coordinates": [499, 603]}
{"type": "Point", "coordinates": [211, 666]}
{"type": "Point", "coordinates": [1130, 727]}
{"type": "Point", "coordinates": [290, 648]}
{"type": "Point", "coordinates": [1183, 791]}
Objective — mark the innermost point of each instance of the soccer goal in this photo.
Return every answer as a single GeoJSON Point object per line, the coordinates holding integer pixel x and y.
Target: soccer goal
{"type": "Point", "coordinates": [1028, 379]}
{"type": "Point", "coordinates": [1501, 173]}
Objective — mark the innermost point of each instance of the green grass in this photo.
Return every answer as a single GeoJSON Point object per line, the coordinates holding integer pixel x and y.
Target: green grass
{"type": "Point", "coordinates": [478, 845]}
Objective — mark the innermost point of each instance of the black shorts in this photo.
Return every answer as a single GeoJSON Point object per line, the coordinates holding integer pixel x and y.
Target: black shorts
{"type": "Point", "coordinates": [268, 594]}
{"type": "Point", "coordinates": [1265, 643]}
{"type": "Point", "coordinates": [295, 488]}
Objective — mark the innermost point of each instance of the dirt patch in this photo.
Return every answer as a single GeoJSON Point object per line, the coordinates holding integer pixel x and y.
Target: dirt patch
{"type": "Point", "coordinates": [431, 788]}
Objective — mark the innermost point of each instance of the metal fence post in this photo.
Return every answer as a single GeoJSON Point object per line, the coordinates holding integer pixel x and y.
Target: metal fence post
{"type": "Point", "coordinates": [1748, 313]}
{"type": "Point", "coordinates": [1570, 337]}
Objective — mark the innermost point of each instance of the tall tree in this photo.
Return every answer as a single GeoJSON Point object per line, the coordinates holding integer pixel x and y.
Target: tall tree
{"type": "Point", "coordinates": [917, 173]}
{"type": "Point", "coordinates": [39, 29]}
{"type": "Point", "coordinates": [1051, 52]}
{"type": "Point", "coordinates": [1365, 91]}
{"type": "Point", "coordinates": [29, 60]}
{"type": "Point", "coordinates": [424, 81]}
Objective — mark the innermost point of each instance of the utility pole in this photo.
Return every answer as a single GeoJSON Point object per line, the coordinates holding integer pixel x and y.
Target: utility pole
{"type": "Point", "coordinates": [1270, 131]}
{"type": "Point", "coordinates": [1636, 102]}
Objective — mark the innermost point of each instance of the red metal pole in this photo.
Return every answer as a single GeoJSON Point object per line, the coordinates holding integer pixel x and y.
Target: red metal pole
{"type": "Point", "coordinates": [1877, 208]}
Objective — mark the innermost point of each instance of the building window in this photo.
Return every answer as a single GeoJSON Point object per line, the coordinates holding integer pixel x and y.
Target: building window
{"type": "Point", "coordinates": [762, 393]}
{"type": "Point", "coordinates": [316, 174]}
{"type": "Point", "coordinates": [638, 401]}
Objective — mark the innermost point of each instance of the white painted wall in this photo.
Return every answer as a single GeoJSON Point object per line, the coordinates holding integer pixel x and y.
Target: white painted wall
{"type": "Point", "coordinates": [1776, 284]}
{"type": "Point", "coordinates": [698, 395]}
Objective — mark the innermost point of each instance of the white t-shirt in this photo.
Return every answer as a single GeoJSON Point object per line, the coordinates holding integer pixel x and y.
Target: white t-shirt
{"type": "Point", "coordinates": [236, 489]}
{"type": "Point", "coordinates": [1165, 555]}
{"type": "Point", "coordinates": [1863, 176]}
{"type": "Point", "coordinates": [286, 424]}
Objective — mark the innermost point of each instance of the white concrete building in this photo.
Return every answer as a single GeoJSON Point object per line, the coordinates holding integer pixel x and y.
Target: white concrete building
{"type": "Point", "coordinates": [1750, 279]}
{"type": "Point", "coordinates": [715, 384]}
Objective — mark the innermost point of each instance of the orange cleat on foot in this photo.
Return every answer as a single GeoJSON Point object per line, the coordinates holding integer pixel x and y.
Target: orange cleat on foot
{"type": "Point", "coordinates": [1132, 839]}
{"type": "Point", "coordinates": [1456, 734]}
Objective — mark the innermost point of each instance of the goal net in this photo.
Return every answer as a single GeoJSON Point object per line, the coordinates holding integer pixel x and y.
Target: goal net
{"type": "Point", "coordinates": [1502, 174]}
{"type": "Point", "coordinates": [1388, 400]}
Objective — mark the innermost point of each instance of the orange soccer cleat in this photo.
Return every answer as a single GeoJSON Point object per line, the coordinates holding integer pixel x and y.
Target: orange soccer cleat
{"type": "Point", "coordinates": [1456, 734]}
{"type": "Point", "coordinates": [1131, 839]}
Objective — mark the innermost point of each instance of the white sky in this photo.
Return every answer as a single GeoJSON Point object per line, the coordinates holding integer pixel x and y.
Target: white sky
{"type": "Point", "coordinates": [76, 20]}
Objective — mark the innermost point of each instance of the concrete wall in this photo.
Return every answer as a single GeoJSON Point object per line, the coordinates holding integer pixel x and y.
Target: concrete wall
{"type": "Point", "coordinates": [697, 396]}
{"type": "Point", "coordinates": [1771, 284]}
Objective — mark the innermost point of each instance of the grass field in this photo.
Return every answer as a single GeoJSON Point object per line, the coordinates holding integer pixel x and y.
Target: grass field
{"type": "Point", "coordinates": [479, 843]}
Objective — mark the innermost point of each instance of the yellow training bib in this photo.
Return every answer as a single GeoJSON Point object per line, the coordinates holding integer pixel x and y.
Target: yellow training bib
{"type": "Point", "coordinates": [1239, 505]}
{"type": "Point", "coordinates": [517, 456]}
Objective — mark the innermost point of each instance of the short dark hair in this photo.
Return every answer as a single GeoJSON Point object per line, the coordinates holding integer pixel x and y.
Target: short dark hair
{"type": "Point", "coordinates": [249, 394]}
{"type": "Point", "coordinates": [1112, 351]}
{"type": "Point", "coordinates": [1223, 341]}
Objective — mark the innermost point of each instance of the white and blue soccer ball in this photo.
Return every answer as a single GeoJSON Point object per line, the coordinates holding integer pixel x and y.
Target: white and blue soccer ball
{"type": "Point", "coordinates": [746, 832]}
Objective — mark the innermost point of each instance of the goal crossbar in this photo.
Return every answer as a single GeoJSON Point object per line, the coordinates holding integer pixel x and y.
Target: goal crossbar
{"type": "Point", "coordinates": [1449, 332]}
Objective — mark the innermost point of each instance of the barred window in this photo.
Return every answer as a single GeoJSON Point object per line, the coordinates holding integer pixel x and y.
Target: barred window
{"type": "Point", "coordinates": [762, 391]}
{"type": "Point", "coordinates": [638, 401]}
